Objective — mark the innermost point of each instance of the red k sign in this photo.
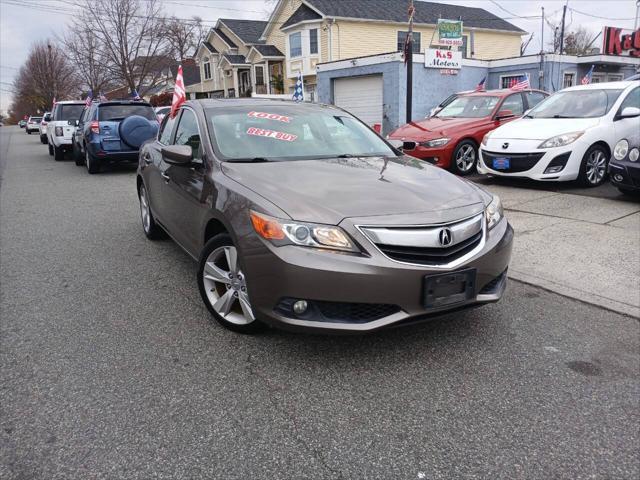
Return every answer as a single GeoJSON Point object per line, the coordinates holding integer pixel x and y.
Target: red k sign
{"type": "Point", "coordinates": [615, 43]}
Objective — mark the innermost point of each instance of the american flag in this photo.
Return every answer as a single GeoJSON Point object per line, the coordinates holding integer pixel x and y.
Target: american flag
{"type": "Point", "coordinates": [480, 86]}
{"type": "Point", "coordinates": [179, 94]}
{"type": "Point", "coordinates": [298, 90]}
{"type": "Point", "coordinates": [586, 80]}
{"type": "Point", "coordinates": [89, 99]}
{"type": "Point", "coordinates": [135, 95]}
{"type": "Point", "coordinates": [521, 83]}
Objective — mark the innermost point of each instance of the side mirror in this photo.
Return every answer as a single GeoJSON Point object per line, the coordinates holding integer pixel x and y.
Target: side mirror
{"type": "Point", "coordinates": [630, 112]}
{"type": "Point", "coordinates": [502, 114]}
{"type": "Point", "coordinates": [178, 154]}
{"type": "Point", "coordinates": [395, 143]}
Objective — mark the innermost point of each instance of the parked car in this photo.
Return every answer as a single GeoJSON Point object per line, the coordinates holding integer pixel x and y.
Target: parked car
{"type": "Point", "coordinates": [46, 118]}
{"type": "Point", "coordinates": [569, 136]}
{"type": "Point", "coordinates": [112, 132]}
{"type": "Point", "coordinates": [302, 217]}
{"type": "Point", "coordinates": [624, 167]}
{"type": "Point", "coordinates": [22, 123]}
{"type": "Point", "coordinates": [33, 125]}
{"type": "Point", "coordinates": [60, 129]}
{"type": "Point", "coordinates": [450, 138]}
{"type": "Point", "coordinates": [161, 112]}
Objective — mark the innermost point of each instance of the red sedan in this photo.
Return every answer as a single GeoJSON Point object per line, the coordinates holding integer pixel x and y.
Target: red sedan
{"type": "Point", "coordinates": [450, 139]}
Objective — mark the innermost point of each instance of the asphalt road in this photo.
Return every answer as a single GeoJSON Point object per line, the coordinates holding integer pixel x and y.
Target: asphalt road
{"type": "Point", "coordinates": [111, 367]}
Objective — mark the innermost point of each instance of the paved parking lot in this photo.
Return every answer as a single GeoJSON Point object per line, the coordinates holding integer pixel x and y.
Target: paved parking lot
{"type": "Point", "coordinates": [112, 368]}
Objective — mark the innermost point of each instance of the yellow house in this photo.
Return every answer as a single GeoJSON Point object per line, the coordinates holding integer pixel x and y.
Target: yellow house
{"type": "Point", "coordinates": [309, 32]}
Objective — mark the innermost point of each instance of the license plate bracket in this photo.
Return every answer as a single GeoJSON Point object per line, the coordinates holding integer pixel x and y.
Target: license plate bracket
{"type": "Point", "coordinates": [450, 288]}
{"type": "Point", "coordinates": [501, 163]}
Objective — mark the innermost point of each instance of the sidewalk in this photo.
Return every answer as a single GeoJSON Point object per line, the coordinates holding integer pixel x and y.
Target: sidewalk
{"type": "Point", "coordinates": [582, 247]}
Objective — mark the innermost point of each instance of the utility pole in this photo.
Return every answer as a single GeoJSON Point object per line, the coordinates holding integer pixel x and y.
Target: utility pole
{"type": "Point", "coordinates": [541, 73]}
{"type": "Point", "coordinates": [564, 13]}
{"type": "Point", "coordinates": [408, 59]}
{"type": "Point", "coordinates": [635, 24]}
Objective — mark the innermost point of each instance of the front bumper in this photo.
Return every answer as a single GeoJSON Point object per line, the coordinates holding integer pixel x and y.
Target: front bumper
{"type": "Point", "coordinates": [440, 156]}
{"type": "Point", "coordinates": [625, 174]}
{"type": "Point", "coordinates": [570, 154]}
{"type": "Point", "coordinates": [298, 273]}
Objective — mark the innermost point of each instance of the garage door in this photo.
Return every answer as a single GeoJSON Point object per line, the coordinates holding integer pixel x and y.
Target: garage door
{"type": "Point", "coordinates": [362, 96]}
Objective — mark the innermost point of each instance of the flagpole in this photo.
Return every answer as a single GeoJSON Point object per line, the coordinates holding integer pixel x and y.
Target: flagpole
{"type": "Point", "coordinates": [409, 63]}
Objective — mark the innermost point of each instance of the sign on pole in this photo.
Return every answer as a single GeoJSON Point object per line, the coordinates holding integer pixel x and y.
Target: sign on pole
{"type": "Point", "coordinates": [450, 33]}
{"type": "Point", "coordinates": [442, 59]}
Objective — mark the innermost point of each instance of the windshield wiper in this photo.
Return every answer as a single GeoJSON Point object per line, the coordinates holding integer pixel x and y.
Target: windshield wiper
{"type": "Point", "coordinates": [560, 116]}
{"type": "Point", "coordinates": [249, 160]}
{"type": "Point", "coordinates": [528, 116]}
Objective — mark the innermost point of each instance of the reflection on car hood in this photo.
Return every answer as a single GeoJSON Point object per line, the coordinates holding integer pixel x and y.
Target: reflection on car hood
{"type": "Point", "coordinates": [327, 191]}
{"type": "Point", "coordinates": [431, 128]}
{"type": "Point", "coordinates": [542, 128]}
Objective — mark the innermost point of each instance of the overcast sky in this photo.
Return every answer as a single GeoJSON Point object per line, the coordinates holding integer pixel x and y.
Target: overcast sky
{"type": "Point", "coordinates": [24, 21]}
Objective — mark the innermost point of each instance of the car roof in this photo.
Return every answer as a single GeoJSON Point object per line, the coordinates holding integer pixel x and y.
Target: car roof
{"type": "Point", "coordinates": [500, 92]}
{"type": "Point", "coordinates": [605, 85]}
{"type": "Point", "coordinates": [70, 102]}
{"type": "Point", "coordinates": [123, 102]}
{"type": "Point", "coordinates": [253, 102]}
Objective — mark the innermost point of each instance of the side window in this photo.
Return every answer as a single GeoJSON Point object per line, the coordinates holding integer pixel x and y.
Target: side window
{"type": "Point", "coordinates": [166, 128]}
{"type": "Point", "coordinates": [534, 98]}
{"type": "Point", "coordinates": [632, 100]}
{"type": "Point", "coordinates": [187, 132]}
{"type": "Point", "coordinates": [513, 103]}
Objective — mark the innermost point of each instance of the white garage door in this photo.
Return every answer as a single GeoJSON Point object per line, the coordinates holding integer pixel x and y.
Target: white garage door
{"type": "Point", "coordinates": [361, 96]}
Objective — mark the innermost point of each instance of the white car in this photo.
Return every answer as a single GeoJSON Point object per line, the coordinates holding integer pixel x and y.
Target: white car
{"type": "Point", "coordinates": [60, 129]}
{"type": "Point", "coordinates": [569, 136]}
{"type": "Point", "coordinates": [46, 118]}
{"type": "Point", "coordinates": [32, 125]}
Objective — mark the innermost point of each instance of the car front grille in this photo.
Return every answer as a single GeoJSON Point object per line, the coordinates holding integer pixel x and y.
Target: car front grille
{"type": "Point", "coordinates": [518, 162]}
{"type": "Point", "coordinates": [423, 246]}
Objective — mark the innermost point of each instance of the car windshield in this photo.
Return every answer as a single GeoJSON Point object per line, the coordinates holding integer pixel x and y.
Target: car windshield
{"type": "Point", "coordinates": [116, 112]}
{"type": "Point", "coordinates": [576, 104]}
{"type": "Point", "coordinates": [36, 119]}
{"type": "Point", "coordinates": [69, 111]}
{"type": "Point", "coordinates": [287, 132]}
{"type": "Point", "coordinates": [469, 107]}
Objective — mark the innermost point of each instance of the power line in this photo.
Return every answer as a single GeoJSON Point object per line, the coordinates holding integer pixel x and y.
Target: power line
{"type": "Point", "coordinates": [597, 16]}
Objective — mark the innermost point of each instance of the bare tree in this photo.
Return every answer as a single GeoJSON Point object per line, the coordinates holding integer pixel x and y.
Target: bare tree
{"type": "Point", "coordinates": [84, 50]}
{"type": "Point", "coordinates": [184, 36]}
{"type": "Point", "coordinates": [130, 36]}
{"type": "Point", "coordinates": [579, 42]}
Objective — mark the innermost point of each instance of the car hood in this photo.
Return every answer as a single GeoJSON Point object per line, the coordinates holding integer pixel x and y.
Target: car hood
{"type": "Point", "coordinates": [435, 127]}
{"type": "Point", "coordinates": [330, 190]}
{"type": "Point", "coordinates": [542, 128]}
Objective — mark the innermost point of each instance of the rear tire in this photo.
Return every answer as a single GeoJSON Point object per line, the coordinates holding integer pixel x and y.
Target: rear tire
{"type": "Point", "coordinates": [629, 192]}
{"type": "Point", "coordinates": [77, 155]}
{"type": "Point", "coordinates": [50, 149]}
{"type": "Point", "coordinates": [464, 158]}
{"type": "Point", "coordinates": [223, 287]}
{"type": "Point", "coordinates": [149, 226]}
{"type": "Point", "coordinates": [593, 169]}
{"type": "Point", "coordinates": [93, 165]}
{"type": "Point", "coordinates": [43, 139]}
{"type": "Point", "coordinates": [58, 153]}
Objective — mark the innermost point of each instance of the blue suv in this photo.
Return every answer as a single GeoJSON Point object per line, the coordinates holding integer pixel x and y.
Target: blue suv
{"type": "Point", "coordinates": [112, 132]}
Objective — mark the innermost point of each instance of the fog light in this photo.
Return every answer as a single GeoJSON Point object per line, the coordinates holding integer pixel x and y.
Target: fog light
{"type": "Point", "coordinates": [300, 307]}
{"type": "Point", "coordinates": [555, 169]}
{"type": "Point", "coordinates": [618, 178]}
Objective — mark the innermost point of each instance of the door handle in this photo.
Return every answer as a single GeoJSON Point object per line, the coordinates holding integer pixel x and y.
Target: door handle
{"type": "Point", "coordinates": [166, 177]}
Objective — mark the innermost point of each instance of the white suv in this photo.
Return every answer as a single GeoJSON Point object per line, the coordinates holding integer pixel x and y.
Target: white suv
{"type": "Point", "coordinates": [570, 135]}
{"type": "Point", "coordinates": [46, 118]}
{"type": "Point", "coordinates": [62, 126]}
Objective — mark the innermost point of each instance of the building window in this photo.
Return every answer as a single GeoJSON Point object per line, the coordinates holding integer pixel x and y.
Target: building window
{"type": "Point", "coordinates": [402, 37]}
{"type": "Point", "coordinates": [206, 66]}
{"type": "Point", "coordinates": [313, 41]}
{"type": "Point", "coordinates": [568, 80]}
{"type": "Point", "coordinates": [295, 44]}
{"type": "Point", "coordinates": [259, 75]}
{"type": "Point", "coordinates": [508, 80]}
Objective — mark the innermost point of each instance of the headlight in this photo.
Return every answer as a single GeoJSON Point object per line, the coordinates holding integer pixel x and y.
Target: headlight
{"type": "Point", "coordinates": [634, 154]}
{"type": "Point", "coordinates": [284, 232]}
{"type": "Point", "coordinates": [438, 142]}
{"type": "Point", "coordinates": [493, 213]}
{"type": "Point", "coordinates": [621, 149]}
{"type": "Point", "coordinates": [485, 138]}
{"type": "Point", "coordinates": [561, 140]}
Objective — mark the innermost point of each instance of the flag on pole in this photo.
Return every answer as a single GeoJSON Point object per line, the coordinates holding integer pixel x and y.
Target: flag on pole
{"type": "Point", "coordinates": [179, 94]}
{"type": "Point", "coordinates": [135, 95]}
{"type": "Point", "coordinates": [89, 99]}
{"type": "Point", "coordinates": [54, 102]}
{"type": "Point", "coordinates": [480, 86]}
{"type": "Point", "coordinates": [521, 83]}
{"type": "Point", "coordinates": [298, 90]}
{"type": "Point", "coordinates": [586, 80]}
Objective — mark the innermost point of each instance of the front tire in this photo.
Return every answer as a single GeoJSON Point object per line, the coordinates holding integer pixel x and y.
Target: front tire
{"type": "Point", "coordinates": [593, 169]}
{"type": "Point", "coordinates": [93, 166]}
{"type": "Point", "coordinates": [222, 286]}
{"type": "Point", "coordinates": [77, 155]}
{"type": "Point", "coordinates": [43, 139]}
{"type": "Point", "coordinates": [629, 192]}
{"type": "Point", "coordinates": [464, 158]}
{"type": "Point", "coordinates": [50, 149]}
{"type": "Point", "coordinates": [28, 132]}
{"type": "Point", "coordinates": [58, 153]}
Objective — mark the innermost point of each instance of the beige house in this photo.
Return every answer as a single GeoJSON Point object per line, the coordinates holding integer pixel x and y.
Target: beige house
{"type": "Point", "coordinates": [309, 32]}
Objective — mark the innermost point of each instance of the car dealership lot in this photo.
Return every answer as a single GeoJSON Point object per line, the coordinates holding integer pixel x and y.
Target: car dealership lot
{"type": "Point", "coordinates": [112, 367]}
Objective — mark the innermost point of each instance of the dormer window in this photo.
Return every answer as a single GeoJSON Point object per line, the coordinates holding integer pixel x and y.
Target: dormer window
{"type": "Point", "coordinates": [295, 44]}
{"type": "Point", "coordinates": [206, 66]}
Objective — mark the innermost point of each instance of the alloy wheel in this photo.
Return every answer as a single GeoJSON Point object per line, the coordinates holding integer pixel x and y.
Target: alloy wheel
{"type": "Point", "coordinates": [225, 286]}
{"type": "Point", "coordinates": [144, 209]}
{"type": "Point", "coordinates": [466, 158]}
{"type": "Point", "coordinates": [596, 167]}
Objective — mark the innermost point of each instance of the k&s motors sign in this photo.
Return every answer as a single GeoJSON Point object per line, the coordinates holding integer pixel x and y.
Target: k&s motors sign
{"type": "Point", "coordinates": [437, 58]}
{"type": "Point", "coordinates": [616, 42]}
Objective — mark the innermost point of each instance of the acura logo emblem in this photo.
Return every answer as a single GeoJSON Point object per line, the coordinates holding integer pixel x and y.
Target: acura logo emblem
{"type": "Point", "coordinates": [445, 237]}
{"type": "Point", "coordinates": [505, 145]}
